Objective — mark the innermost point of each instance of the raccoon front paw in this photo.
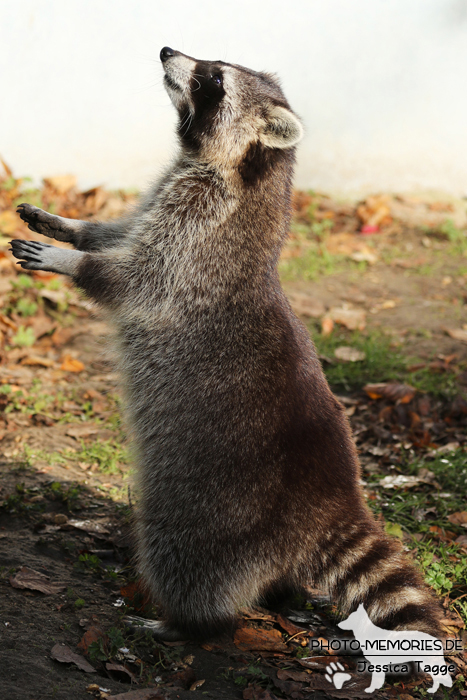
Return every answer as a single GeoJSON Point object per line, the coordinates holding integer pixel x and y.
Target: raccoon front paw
{"type": "Point", "coordinates": [42, 256]}
{"type": "Point", "coordinates": [46, 224]}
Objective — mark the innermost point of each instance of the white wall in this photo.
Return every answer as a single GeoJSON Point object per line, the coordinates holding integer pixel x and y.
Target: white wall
{"type": "Point", "coordinates": [380, 84]}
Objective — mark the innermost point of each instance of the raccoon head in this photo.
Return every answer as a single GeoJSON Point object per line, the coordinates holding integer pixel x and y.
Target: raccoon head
{"type": "Point", "coordinates": [229, 116]}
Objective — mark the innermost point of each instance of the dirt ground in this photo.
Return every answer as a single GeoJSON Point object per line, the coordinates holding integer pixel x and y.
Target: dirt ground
{"type": "Point", "coordinates": [65, 478]}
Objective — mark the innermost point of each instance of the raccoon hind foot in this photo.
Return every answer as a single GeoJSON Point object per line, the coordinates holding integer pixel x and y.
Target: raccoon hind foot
{"type": "Point", "coordinates": [161, 630]}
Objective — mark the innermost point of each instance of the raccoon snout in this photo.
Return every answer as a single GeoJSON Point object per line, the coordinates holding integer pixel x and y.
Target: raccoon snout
{"type": "Point", "coordinates": [166, 53]}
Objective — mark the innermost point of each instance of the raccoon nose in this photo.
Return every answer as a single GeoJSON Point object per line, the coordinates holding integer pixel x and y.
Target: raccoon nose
{"type": "Point", "coordinates": [166, 53]}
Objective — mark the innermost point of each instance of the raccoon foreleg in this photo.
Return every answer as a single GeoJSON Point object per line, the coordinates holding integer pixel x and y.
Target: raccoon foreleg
{"type": "Point", "coordinates": [57, 227]}
{"type": "Point", "coordinates": [84, 235]}
{"type": "Point", "coordinates": [96, 273]}
{"type": "Point", "coordinates": [42, 256]}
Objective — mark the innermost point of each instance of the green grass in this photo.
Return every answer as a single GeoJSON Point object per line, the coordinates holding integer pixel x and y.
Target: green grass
{"type": "Point", "coordinates": [110, 455]}
{"type": "Point", "coordinates": [414, 511]}
{"type": "Point", "coordinates": [383, 362]}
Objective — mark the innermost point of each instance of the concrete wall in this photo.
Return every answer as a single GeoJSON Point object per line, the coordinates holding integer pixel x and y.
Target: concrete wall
{"type": "Point", "coordinates": [380, 84]}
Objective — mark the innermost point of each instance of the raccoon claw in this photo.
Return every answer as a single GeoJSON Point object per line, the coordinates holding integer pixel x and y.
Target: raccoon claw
{"type": "Point", "coordinates": [159, 629]}
{"type": "Point", "coordinates": [29, 253]}
{"type": "Point", "coordinates": [44, 223]}
{"type": "Point", "coordinates": [42, 256]}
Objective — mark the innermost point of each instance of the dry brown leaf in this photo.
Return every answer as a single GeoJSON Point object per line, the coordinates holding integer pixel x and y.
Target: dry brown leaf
{"type": "Point", "coordinates": [401, 481]}
{"type": "Point", "coordinates": [457, 334]}
{"type": "Point", "coordinates": [251, 639]}
{"type": "Point", "coordinates": [63, 653]}
{"type": "Point", "coordinates": [9, 222]}
{"type": "Point", "coordinates": [459, 518]}
{"type": "Point", "coordinates": [299, 676]}
{"type": "Point", "coordinates": [307, 306]}
{"type": "Point", "coordinates": [120, 668]}
{"type": "Point", "coordinates": [392, 391]}
{"type": "Point", "coordinates": [41, 324]}
{"type": "Point", "coordinates": [348, 354]}
{"type": "Point", "coordinates": [70, 364]}
{"type": "Point", "coordinates": [81, 431]}
{"type": "Point", "coordinates": [63, 335]}
{"type": "Point", "coordinates": [93, 634]}
{"type": "Point", "coordinates": [61, 183]}
{"type": "Point", "coordinates": [90, 526]}
{"type": "Point", "coordinates": [35, 581]}
{"type": "Point", "coordinates": [141, 694]}
{"type": "Point", "coordinates": [35, 360]}
{"type": "Point", "coordinates": [197, 684]}
{"type": "Point", "coordinates": [8, 322]}
{"type": "Point", "coordinates": [290, 628]}
{"type": "Point", "coordinates": [353, 319]}
{"type": "Point", "coordinates": [327, 325]}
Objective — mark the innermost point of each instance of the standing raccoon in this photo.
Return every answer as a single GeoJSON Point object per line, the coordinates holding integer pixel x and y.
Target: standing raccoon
{"type": "Point", "coordinates": [248, 475]}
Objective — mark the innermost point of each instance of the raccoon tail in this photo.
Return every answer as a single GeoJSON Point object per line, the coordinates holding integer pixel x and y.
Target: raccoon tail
{"type": "Point", "coordinates": [363, 565]}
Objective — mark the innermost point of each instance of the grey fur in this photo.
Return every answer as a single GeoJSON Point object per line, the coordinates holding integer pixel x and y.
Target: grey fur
{"type": "Point", "coordinates": [248, 476]}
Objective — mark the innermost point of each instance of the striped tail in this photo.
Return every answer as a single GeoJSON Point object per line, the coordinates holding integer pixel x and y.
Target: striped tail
{"type": "Point", "coordinates": [363, 565]}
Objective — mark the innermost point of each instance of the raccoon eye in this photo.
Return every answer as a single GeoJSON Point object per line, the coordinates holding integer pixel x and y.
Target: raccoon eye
{"type": "Point", "coordinates": [216, 79]}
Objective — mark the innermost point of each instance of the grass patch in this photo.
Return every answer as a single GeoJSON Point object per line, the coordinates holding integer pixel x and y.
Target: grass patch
{"type": "Point", "coordinates": [421, 515]}
{"type": "Point", "coordinates": [109, 455]}
{"type": "Point", "coordinates": [383, 362]}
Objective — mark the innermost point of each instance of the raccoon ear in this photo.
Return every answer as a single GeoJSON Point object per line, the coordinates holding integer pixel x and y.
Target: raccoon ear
{"type": "Point", "coordinates": [282, 129]}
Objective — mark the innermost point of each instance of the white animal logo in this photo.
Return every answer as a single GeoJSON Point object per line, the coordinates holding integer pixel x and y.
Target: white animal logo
{"type": "Point", "coordinates": [384, 649]}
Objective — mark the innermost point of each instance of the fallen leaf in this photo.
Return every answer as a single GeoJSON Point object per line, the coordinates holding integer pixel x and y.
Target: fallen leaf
{"type": "Point", "coordinates": [251, 639]}
{"type": "Point", "coordinates": [290, 628]}
{"type": "Point", "coordinates": [9, 222]}
{"type": "Point", "coordinates": [64, 335]}
{"type": "Point", "coordinates": [136, 595]}
{"type": "Point", "coordinates": [81, 431]}
{"type": "Point", "coordinates": [61, 183]}
{"type": "Point", "coordinates": [35, 581]}
{"type": "Point", "coordinates": [197, 684]}
{"type": "Point", "coordinates": [366, 255]}
{"type": "Point", "coordinates": [70, 364]}
{"type": "Point", "coordinates": [307, 306]}
{"type": "Point", "coordinates": [300, 676]}
{"type": "Point", "coordinates": [63, 653]}
{"type": "Point", "coordinates": [36, 361]}
{"type": "Point", "coordinates": [353, 319]}
{"type": "Point", "coordinates": [120, 668]}
{"type": "Point", "coordinates": [398, 393]}
{"type": "Point", "coordinates": [457, 334]}
{"type": "Point", "coordinates": [350, 245]}
{"type": "Point", "coordinates": [394, 529]}
{"type": "Point", "coordinates": [401, 481]}
{"type": "Point", "coordinates": [142, 694]}
{"type": "Point", "coordinates": [93, 634]}
{"type": "Point", "coordinates": [375, 212]}
{"type": "Point", "coordinates": [459, 518]}
{"type": "Point", "coordinates": [327, 325]}
{"type": "Point", "coordinates": [183, 678]}
{"type": "Point", "coordinates": [348, 354]}
{"type": "Point", "coordinates": [90, 526]}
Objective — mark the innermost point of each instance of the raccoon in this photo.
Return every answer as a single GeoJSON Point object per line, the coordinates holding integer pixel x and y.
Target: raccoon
{"type": "Point", "coordinates": [248, 477]}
